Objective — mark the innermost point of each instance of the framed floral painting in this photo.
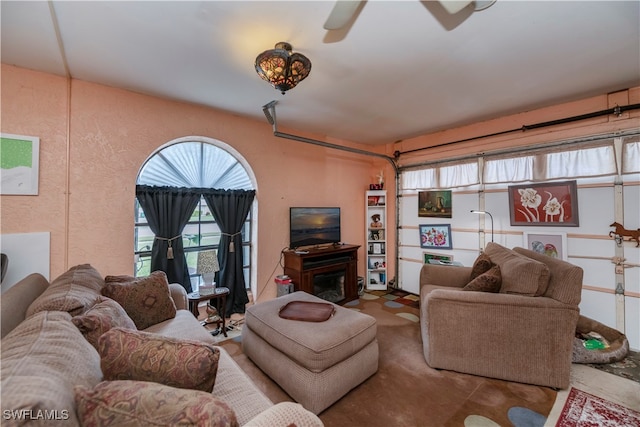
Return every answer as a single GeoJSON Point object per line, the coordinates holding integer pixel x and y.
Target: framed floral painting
{"type": "Point", "coordinates": [554, 203]}
{"type": "Point", "coordinates": [435, 236]}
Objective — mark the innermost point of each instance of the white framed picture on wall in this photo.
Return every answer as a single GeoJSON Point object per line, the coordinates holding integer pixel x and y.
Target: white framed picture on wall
{"type": "Point", "coordinates": [19, 164]}
{"type": "Point", "coordinates": [547, 243]}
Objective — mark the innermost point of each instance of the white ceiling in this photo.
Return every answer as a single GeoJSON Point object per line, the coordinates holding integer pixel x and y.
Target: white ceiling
{"type": "Point", "coordinates": [401, 69]}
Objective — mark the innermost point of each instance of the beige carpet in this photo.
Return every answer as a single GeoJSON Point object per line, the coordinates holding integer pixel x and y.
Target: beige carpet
{"type": "Point", "coordinates": [406, 391]}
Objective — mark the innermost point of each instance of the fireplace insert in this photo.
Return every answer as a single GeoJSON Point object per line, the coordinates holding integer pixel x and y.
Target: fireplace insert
{"type": "Point", "coordinates": [330, 285]}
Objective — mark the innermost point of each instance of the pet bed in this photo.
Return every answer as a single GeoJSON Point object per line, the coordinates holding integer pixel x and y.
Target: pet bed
{"type": "Point", "coordinates": [618, 345]}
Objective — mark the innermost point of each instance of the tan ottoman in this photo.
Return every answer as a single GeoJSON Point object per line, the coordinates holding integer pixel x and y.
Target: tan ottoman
{"type": "Point", "coordinates": [316, 363]}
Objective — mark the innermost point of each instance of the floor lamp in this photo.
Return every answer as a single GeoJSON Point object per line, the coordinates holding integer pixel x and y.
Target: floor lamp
{"type": "Point", "coordinates": [490, 216]}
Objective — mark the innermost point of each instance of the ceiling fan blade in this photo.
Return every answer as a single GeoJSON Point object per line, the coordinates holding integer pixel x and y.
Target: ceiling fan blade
{"type": "Point", "coordinates": [481, 5]}
{"type": "Point", "coordinates": [454, 6]}
{"type": "Point", "coordinates": [341, 13]}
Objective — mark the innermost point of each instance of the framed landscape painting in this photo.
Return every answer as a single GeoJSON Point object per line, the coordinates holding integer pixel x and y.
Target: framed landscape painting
{"type": "Point", "coordinates": [554, 203]}
{"type": "Point", "coordinates": [435, 236]}
{"type": "Point", "coordinates": [547, 243]}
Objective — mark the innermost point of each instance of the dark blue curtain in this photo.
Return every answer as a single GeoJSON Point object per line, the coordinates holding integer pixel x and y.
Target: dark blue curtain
{"type": "Point", "coordinates": [168, 210]}
{"type": "Point", "coordinates": [230, 209]}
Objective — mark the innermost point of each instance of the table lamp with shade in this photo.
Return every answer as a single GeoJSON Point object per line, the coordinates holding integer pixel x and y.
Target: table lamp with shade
{"type": "Point", "coordinates": [207, 267]}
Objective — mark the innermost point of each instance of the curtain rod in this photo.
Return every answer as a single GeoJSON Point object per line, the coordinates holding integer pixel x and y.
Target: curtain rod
{"type": "Point", "coordinates": [617, 110]}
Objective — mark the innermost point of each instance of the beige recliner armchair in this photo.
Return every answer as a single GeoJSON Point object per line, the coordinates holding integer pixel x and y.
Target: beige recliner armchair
{"type": "Point", "coordinates": [523, 333]}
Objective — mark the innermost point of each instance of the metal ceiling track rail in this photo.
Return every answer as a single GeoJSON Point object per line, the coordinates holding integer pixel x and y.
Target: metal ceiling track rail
{"type": "Point", "coordinates": [617, 110]}
{"type": "Point", "coordinates": [524, 150]}
{"type": "Point", "coordinates": [269, 111]}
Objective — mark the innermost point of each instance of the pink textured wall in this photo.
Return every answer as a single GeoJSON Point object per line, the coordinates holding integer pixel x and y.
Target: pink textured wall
{"type": "Point", "coordinates": [111, 134]}
{"type": "Point", "coordinates": [108, 133]}
{"type": "Point", "coordinates": [38, 107]}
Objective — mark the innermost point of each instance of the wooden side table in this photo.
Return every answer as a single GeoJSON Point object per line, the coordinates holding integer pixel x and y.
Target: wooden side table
{"type": "Point", "coordinates": [218, 299]}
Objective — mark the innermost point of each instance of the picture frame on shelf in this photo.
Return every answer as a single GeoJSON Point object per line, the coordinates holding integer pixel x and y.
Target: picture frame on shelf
{"type": "Point", "coordinates": [426, 256]}
{"type": "Point", "coordinates": [550, 204]}
{"type": "Point", "coordinates": [376, 249]}
{"type": "Point", "coordinates": [435, 236]}
{"type": "Point", "coordinates": [435, 204]}
{"type": "Point", "coordinates": [547, 243]}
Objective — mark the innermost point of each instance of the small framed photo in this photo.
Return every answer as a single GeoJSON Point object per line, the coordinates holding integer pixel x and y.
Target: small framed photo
{"type": "Point", "coordinates": [435, 236]}
{"type": "Point", "coordinates": [427, 256]}
{"type": "Point", "coordinates": [547, 243]}
{"type": "Point", "coordinates": [554, 203]}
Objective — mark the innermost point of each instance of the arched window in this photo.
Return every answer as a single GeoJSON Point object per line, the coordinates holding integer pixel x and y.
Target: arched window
{"type": "Point", "coordinates": [195, 162]}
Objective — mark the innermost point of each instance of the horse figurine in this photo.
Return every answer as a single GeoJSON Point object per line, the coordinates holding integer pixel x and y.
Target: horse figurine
{"type": "Point", "coordinates": [621, 231]}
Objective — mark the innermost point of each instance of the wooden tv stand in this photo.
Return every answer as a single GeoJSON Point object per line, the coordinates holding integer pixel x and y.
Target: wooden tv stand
{"type": "Point", "coordinates": [314, 269]}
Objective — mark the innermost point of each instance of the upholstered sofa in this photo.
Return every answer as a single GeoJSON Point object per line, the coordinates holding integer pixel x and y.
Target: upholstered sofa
{"type": "Point", "coordinates": [47, 358]}
{"type": "Point", "coordinates": [522, 330]}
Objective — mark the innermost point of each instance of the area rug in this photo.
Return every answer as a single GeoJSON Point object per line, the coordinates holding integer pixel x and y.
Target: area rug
{"type": "Point", "coordinates": [586, 410]}
{"type": "Point", "coordinates": [628, 368]}
{"type": "Point", "coordinates": [406, 391]}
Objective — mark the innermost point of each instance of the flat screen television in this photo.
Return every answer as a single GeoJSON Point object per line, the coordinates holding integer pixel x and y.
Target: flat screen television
{"type": "Point", "coordinates": [313, 226]}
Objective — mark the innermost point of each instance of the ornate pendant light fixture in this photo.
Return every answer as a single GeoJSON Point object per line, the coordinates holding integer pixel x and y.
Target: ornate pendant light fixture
{"type": "Point", "coordinates": [281, 68]}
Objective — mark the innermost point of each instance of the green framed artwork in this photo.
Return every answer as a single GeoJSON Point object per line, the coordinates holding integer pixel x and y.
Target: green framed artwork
{"type": "Point", "coordinates": [19, 162]}
{"type": "Point", "coordinates": [434, 204]}
{"type": "Point", "coordinates": [427, 256]}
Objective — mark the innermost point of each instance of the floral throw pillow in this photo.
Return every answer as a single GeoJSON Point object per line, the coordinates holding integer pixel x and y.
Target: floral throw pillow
{"type": "Point", "coordinates": [147, 300]}
{"type": "Point", "coordinates": [100, 318]}
{"type": "Point", "coordinates": [482, 264]}
{"type": "Point", "coordinates": [489, 281]}
{"type": "Point", "coordinates": [144, 356]}
{"type": "Point", "coordinates": [138, 403]}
